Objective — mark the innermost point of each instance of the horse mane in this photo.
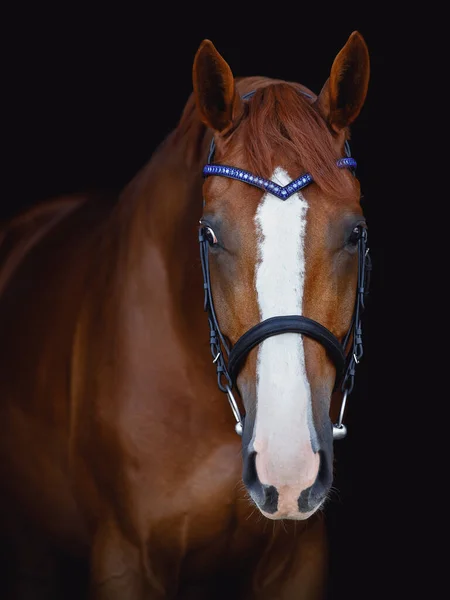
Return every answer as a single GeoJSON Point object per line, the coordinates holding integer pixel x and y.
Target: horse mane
{"type": "Point", "coordinates": [281, 118]}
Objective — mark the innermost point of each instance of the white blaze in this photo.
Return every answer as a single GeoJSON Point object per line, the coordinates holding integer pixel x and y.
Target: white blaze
{"type": "Point", "coordinates": [282, 435]}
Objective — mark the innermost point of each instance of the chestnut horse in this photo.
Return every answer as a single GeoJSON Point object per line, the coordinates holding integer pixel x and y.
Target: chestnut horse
{"type": "Point", "coordinates": [118, 446]}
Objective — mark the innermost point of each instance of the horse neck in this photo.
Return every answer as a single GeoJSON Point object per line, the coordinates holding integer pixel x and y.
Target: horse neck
{"type": "Point", "coordinates": [158, 214]}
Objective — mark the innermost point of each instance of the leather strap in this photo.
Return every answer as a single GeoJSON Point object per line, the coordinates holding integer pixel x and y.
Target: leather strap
{"type": "Point", "coordinates": [285, 324]}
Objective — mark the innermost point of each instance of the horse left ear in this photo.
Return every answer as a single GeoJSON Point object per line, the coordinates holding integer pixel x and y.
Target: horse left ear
{"type": "Point", "coordinates": [214, 89]}
{"type": "Point", "coordinates": [343, 95]}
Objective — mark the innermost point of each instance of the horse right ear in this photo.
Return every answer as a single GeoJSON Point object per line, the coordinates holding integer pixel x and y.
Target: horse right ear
{"type": "Point", "coordinates": [344, 93]}
{"type": "Point", "coordinates": [214, 89]}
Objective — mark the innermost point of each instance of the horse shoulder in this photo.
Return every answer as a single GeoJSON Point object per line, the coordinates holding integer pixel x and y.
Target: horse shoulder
{"type": "Point", "coordinates": [42, 270]}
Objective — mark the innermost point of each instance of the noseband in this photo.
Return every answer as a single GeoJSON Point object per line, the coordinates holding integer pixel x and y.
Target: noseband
{"type": "Point", "coordinates": [345, 364]}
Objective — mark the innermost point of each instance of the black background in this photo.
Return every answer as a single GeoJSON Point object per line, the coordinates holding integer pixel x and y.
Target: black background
{"type": "Point", "coordinates": [87, 97]}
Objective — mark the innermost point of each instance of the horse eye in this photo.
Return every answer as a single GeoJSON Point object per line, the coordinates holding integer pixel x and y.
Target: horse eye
{"type": "Point", "coordinates": [355, 235]}
{"type": "Point", "coordinates": [210, 236]}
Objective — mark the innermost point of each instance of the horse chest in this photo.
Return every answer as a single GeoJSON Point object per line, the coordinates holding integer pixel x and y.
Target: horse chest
{"type": "Point", "coordinates": [219, 541]}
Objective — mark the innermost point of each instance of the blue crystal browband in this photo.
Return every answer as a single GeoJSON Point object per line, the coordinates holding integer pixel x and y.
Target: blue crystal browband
{"type": "Point", "coordinates": [266, 184]}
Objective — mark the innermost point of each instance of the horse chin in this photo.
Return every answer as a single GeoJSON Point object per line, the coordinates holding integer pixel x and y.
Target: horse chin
{"type": "Point", "coordinates": [290, 516]}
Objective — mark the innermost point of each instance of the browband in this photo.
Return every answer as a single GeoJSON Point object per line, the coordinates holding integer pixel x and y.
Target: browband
{"type": "Point", "coordinates": [282, 192]}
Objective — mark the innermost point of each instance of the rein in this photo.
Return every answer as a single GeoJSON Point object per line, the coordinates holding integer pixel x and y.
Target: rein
{"type": "Point", "coordinates": [345, 363]}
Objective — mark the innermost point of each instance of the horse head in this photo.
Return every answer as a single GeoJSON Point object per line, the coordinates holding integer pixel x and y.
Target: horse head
{"type": "Point", "coordinates": [281, 235]}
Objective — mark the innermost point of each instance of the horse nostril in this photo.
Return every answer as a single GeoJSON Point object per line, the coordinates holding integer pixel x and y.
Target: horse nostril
{"type": "Point", "coordinates": [270, 500]}
{"type": "Point", "coordinates": [315, 494]}
{"type": "Point", "coordinates": [265, 496]}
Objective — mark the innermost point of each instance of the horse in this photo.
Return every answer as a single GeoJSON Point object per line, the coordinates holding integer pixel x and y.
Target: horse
{"type": "Point", "coordinates": [175, 359]}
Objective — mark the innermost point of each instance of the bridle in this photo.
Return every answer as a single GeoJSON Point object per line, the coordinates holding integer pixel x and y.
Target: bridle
{"type": "Point", "coordinates": [345, 364]}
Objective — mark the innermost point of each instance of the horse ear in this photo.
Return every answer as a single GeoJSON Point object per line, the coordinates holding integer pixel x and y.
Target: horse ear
{"type": "Point", "coordinates": [343, 95]}
{"type": "Point", "coordinates": [214, 88]}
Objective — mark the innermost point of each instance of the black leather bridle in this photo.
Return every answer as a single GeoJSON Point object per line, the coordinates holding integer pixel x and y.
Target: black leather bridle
{"type": "Point", "coordinates": [345, 363]}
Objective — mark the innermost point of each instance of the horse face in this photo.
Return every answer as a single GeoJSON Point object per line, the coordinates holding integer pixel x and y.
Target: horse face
{"type": "Point", "coordinates": [270, 257]}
